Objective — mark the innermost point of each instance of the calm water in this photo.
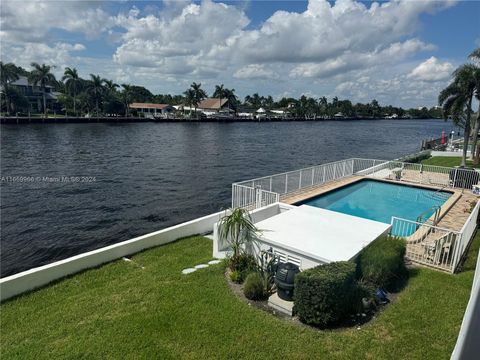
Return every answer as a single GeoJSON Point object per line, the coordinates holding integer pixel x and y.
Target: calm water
{"type": "Point", "coordinates": [144, 177]}
{"type": "Point", "coordinates": [379, 201]}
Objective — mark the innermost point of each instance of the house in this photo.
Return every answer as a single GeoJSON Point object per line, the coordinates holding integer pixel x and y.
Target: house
{"type": "Point", "coordinates": [213, 106]}
{"type": "Point", "coordinates": [150, 110]}
{"type": "Point", "coordinates": [34, 95]}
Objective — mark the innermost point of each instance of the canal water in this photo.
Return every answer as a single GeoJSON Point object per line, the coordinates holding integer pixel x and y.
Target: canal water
{"type": "Point", "coordinates": [70, 188]}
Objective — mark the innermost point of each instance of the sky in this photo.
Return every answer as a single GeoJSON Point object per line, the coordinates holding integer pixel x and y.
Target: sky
{"type": "Point", "coordinates": [399, 52]}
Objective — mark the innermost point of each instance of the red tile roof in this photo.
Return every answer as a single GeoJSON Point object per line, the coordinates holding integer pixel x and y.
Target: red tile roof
{"type": "Point", "coordinates": [148, 106]}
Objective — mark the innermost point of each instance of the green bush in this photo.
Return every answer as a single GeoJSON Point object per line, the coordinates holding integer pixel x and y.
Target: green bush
{"type": "Point", "coordinates": [382, 263]}
{"type": "Point", "coordinates": [326, 294]}
{"type": "Point", "coordinates": [236, 276]}
{"type": "Point", "coordinates": [244, 264]}
{"type": "Point", "coordinates": [254, 287]}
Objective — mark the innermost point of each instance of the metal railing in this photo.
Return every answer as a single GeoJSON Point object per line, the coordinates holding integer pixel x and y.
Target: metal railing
{"type": "Point", "coordinates": [427, 244]}
{"type": "Point", "coordinates": [244, 194]}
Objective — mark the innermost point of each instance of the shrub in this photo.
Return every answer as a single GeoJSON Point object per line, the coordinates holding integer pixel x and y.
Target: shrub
{"type": "Point", "coordinates": [326, 294]}
{"type": "Point", "coordinates": [254, 287]}
{"type": "Point", "coordinates": [382, 263]}
{"type": "Point", "coordinates": [243, 264]}
{"type": "Point", "coordinates": [236, 276]}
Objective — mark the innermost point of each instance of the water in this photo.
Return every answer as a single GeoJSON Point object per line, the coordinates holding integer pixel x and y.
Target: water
{"type": "Point", "coordinates": [379, 201]}
{"type": "Point", "coordinates": [146, 176]}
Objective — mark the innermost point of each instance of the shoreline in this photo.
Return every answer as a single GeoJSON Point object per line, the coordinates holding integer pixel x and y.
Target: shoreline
{"type": "Point", "coordinates": [66, 120]}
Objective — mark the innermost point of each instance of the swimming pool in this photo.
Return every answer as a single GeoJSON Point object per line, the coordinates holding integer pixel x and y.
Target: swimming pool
{"type": "Point", "coordinates": [379, 200]}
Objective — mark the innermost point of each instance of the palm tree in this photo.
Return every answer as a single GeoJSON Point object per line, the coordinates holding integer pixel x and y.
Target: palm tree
{"type": "Point", "coordinates": [475, 58]}
{"type": "Point", "coordinates": [220, 93]}
{"type": "Point", "coordinates": [8, 74]}
{"type": "Point", "coordinates": [238, 230]}
{"type": "Point", "coordinates": [95, 87]}
{"type": "Point", "coordinates": [126, 96]}
{"type": "Point", "coordinates": [110, 86]}
{"type": "Point", "coordinates": [456, 101]}
{"type": "Point", "coordinates": [190, 99]}
{"type": "Point", "coordinates": [71, 78]}
{"type": "Point", "coordinates": [232, 99]}
{"type": "Point", "coordinates": [199, 94]}
{"type": "Point", "coordinates": [41, 74]}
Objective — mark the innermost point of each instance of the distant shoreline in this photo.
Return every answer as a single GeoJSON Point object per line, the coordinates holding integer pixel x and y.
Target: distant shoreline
{"type": "Point", "coordinates": [40, 120]}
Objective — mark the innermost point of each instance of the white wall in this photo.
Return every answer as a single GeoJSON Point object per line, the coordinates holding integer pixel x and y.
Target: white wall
{"type": "Point", "coordinates": [34, 278]}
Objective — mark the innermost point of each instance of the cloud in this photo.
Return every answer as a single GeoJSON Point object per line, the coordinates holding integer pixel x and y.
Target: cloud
{"type": "Point", "coordinates": [255, 71]}
{"type": "Point", "coordinates": [432, 70]}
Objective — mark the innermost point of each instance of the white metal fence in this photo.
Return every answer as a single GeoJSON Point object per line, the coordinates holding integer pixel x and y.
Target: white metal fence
{"type": "Point", "coordinates": [427, 244]}
{"type": "Point", "coordinates": [246, 193]}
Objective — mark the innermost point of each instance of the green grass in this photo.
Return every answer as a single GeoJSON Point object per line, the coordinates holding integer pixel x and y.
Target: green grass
{"type": "Point", "coordinates": [123, 311]}
{"type": "Point", "coordinates": [447, 161]}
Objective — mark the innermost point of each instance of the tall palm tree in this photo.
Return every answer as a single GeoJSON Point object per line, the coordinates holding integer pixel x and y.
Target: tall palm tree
{"type": "Point", "coordinates": [126, 96]}
{"type": "Point", "coordinates": [95, 87]}
{"type": "Point", "coordinates": [456, 101]}
{"type": "Point", "coordinates": [110, 86]}
{"type": "Point", "coordinates": [8, 74]}
{"type": "Point", "coordinates": [41, 74]}
{"type": "Point", "coordinates": [232, 99]}
{"type": "Point", "coordinates": [219, 93]}
{"type": "Point", "coordinates": [72, 80]}
{"type": "Point", "coordinates": [190, 99]}
{"type": "Point", "coordinates": [199, 94]}
{"type": "Point", "coordinates": [475, 58]}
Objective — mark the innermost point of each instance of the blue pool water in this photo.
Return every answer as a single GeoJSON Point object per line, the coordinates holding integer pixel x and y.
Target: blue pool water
{"type": "Point", "coordinates": [379, 201]}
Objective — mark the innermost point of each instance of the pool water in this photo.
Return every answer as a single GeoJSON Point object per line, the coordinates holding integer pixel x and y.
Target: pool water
{"type": "Point", "coordinates": [379, 201]}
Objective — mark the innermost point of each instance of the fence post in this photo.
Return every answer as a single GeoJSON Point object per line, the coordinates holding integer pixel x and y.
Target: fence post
{"type": "Point", "coordinates": [344, 164]}
{"type": "Point", "coordinates": [300, 181]}
{"type": "Point", "coordinates": [286, 183]}
{"type": "Point", "coordinates": [270, 183]}
{"type": "Point", "coordinates": [455, 178]}
{"type": "Point", "coordinates": [258, 198]}
{"type": "Point", "coordinates": [313, 175]}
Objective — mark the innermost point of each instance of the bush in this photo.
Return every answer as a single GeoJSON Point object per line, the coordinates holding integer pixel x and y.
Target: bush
{"type": "Point", "coordinates": [244, 264]}
{"type": "Point", "coordinates": [254, 288]}
{"type": "Point", "coordinates": [382, 263]}
{"type": "Point", "coordinates": [326, 294]}
{"type": "Point", "coordinates": [236, 276]}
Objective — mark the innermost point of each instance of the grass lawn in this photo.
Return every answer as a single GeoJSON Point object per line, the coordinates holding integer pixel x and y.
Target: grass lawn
{"type": "Point", "coordinates": [123, 311]}
{"type": "Point", "coordinates": [447, 161]}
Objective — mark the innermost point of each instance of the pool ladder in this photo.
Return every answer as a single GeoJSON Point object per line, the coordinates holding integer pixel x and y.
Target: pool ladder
{"type": "Point", "coordinates": [420, 218]}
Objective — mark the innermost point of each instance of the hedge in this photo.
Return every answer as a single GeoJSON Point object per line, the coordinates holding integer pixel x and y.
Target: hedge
{"type": "Point", "coordinates": [326, 294]}
{"type": "Point", "coordinates": [382, 263]}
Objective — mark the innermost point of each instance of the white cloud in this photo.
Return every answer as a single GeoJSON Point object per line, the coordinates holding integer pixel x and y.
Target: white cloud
{"type": "Point", "coordinates": [349, 47]}
{"type": "Point", "coordinates": [255, 71]}
{"type": "Point", "coordinates": [432, 70]}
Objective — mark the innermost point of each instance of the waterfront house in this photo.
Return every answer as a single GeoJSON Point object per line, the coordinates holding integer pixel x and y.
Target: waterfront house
{"type": "Point", "coordinates": [150, 110]}
{"type": "Point", "coordinates": [214, 106]}
{"type": "Point", "coordinates": [33, 94]}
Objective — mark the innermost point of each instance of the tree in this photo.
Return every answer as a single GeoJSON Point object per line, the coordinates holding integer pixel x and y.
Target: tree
{"type": "Point", "coordinates": [456, 101]}
{"type": "Point", "coordinates": [8, 74]}
{"type": "Point", "coordinates": [232, 99]}
{"type": "Point", "coordinates": [110, 86]}
{"type": "Point", "coordinates": [41, 74]}
{"type": "Point", "coordinates": [189, 99]}
{"type": "Point", "coordinates": [198, 94]}
{"type": "Point", "coordinates": [237, 229]}
{"type": "Point", "coordinates": [219, 93]}
{"type": "Point", "coordinates": [96, 89]}
{"type": "Point", "coordinates": [126, 96]}
{"type": "Point", "coordinates": [72, 81]}
{"type": "Point", "coordinates": [475, 58]}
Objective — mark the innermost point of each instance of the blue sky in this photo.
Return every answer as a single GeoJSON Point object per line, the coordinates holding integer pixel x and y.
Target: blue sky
{"type": "Point", "coordinates": [401, 53]}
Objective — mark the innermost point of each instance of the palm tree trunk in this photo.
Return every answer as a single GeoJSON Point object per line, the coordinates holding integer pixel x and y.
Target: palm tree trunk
{"type": "Point", "coordinates": [74, 100]}
{"type": "Point", "coordinates": [476, 150]}
{"type": "Point", "coordinates": [466, 135]}
{"type": "Point", "coordinates": [475, 138]}
{"type": "Point", "coordinates": [44, 101]}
